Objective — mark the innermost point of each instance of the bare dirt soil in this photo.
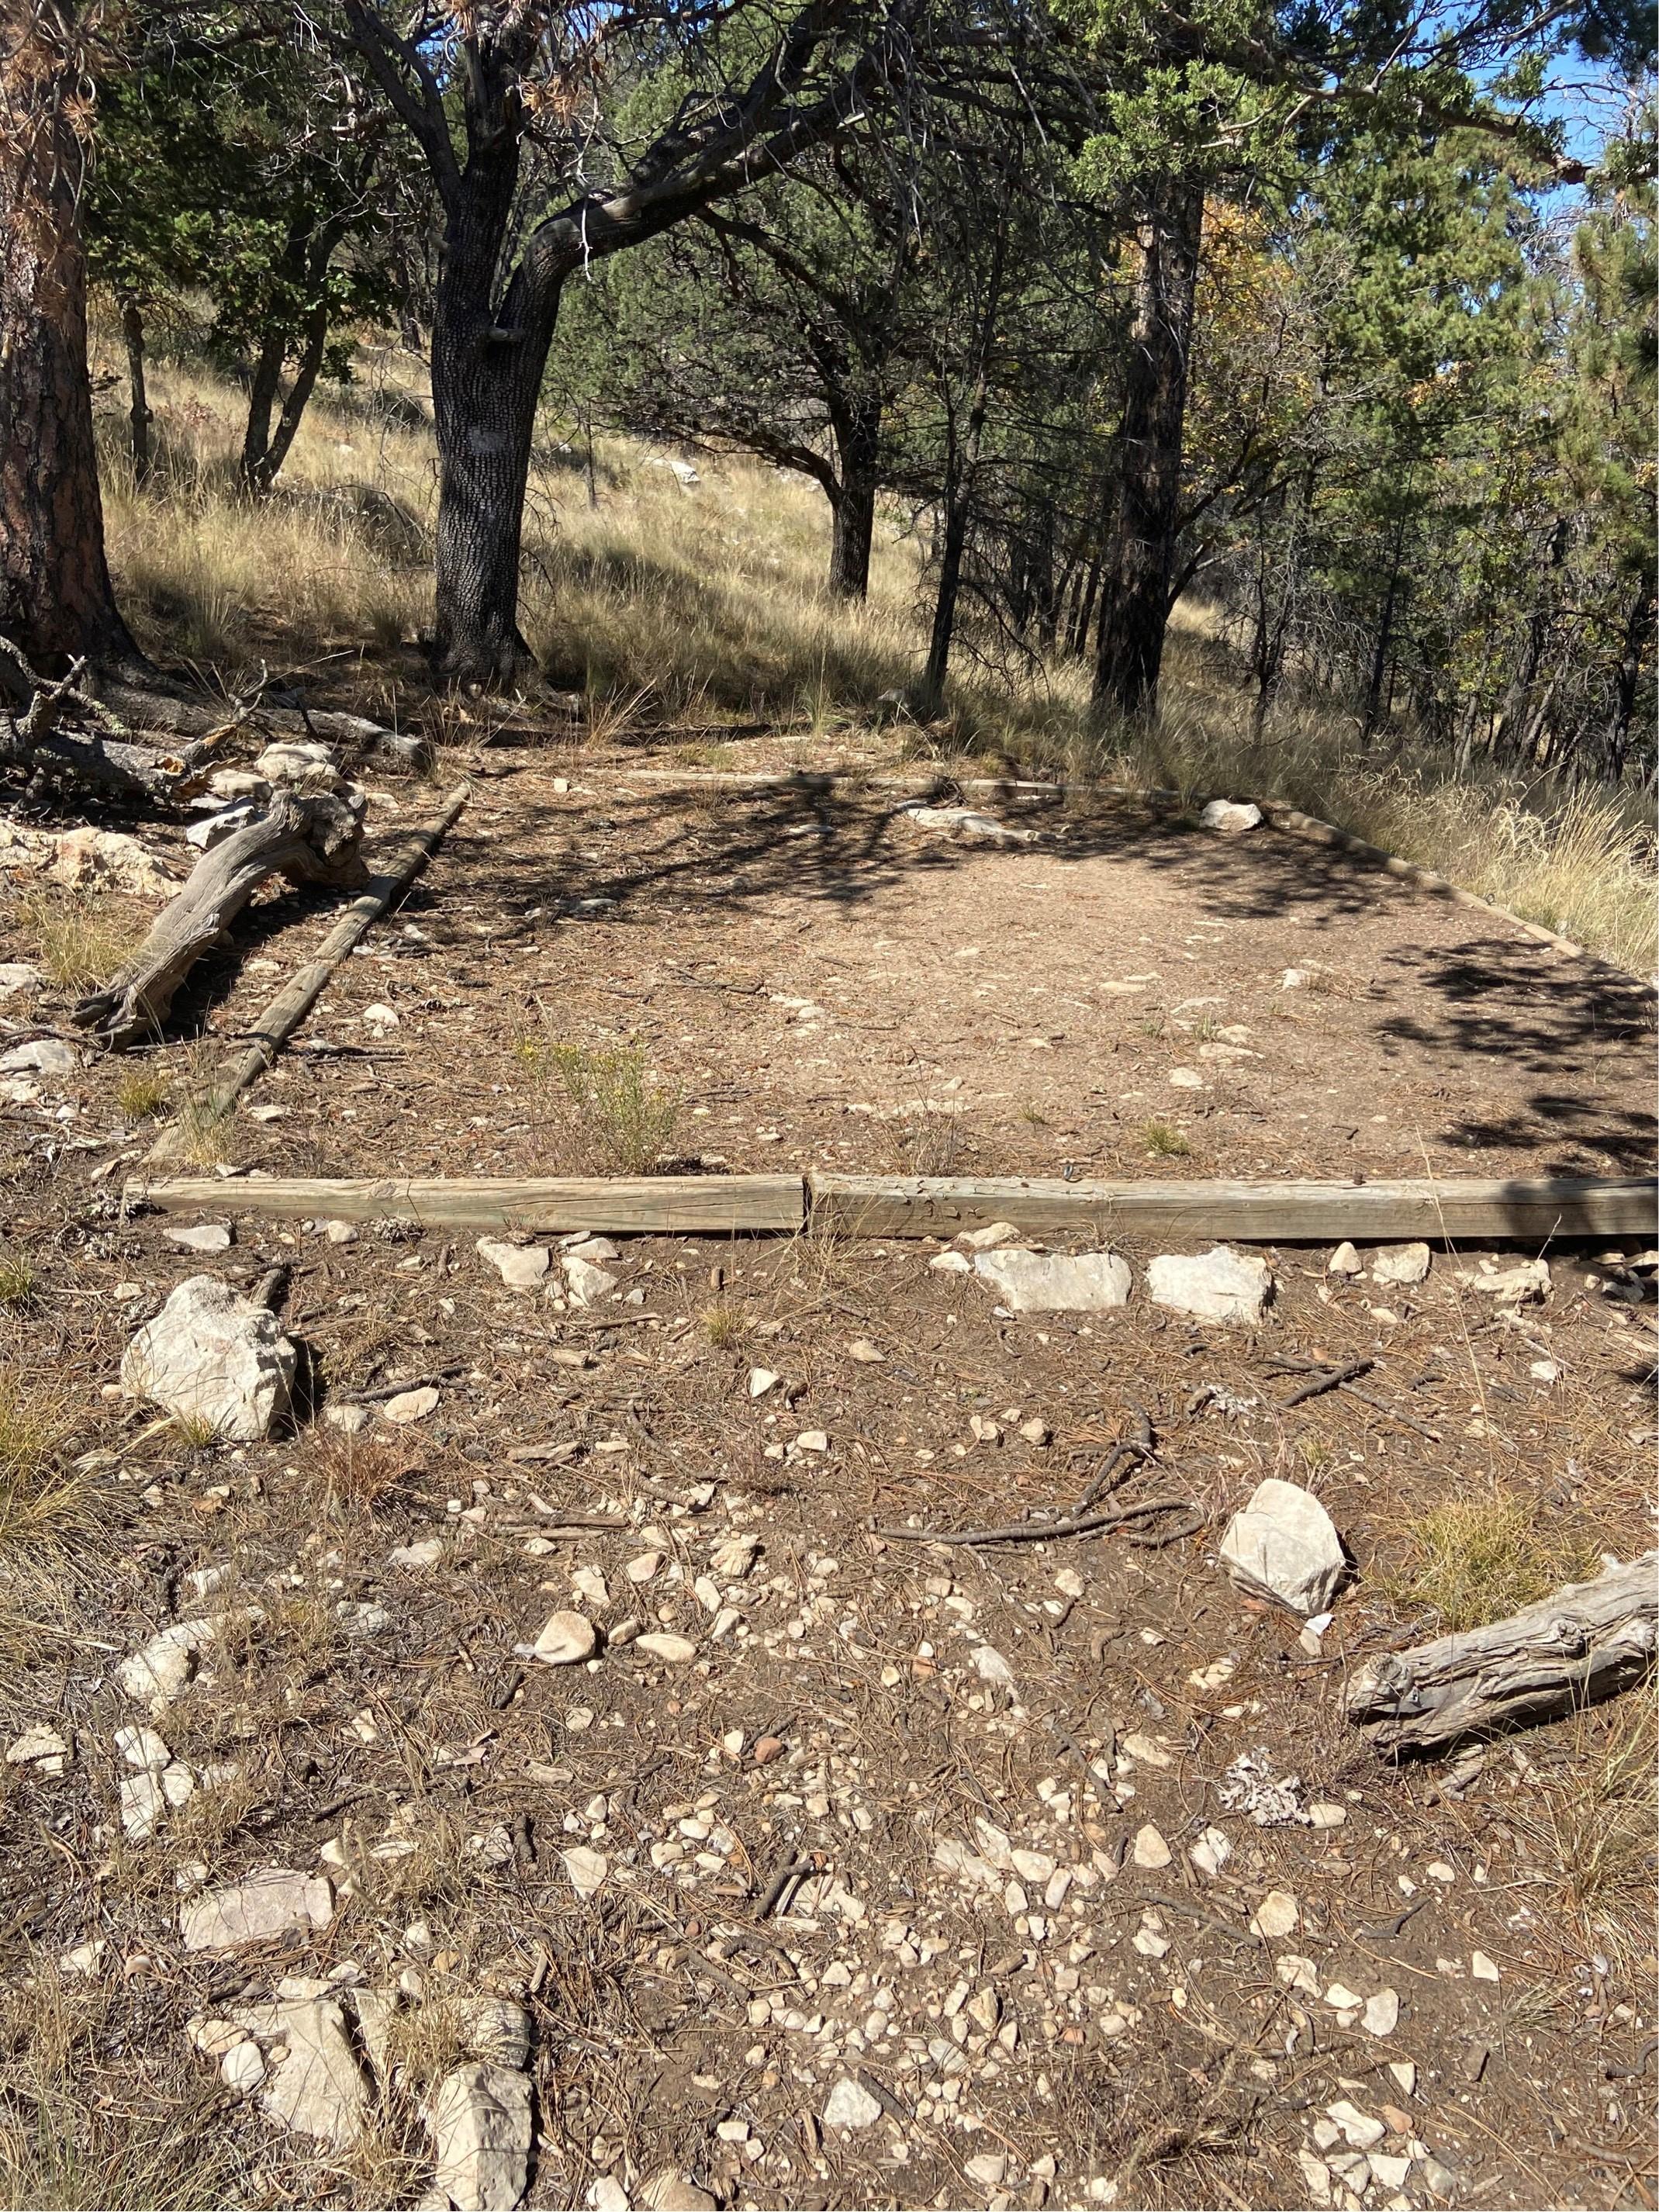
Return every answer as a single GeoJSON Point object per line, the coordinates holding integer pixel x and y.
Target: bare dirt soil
{"type": "Point", "coordinates": [988, 1769]}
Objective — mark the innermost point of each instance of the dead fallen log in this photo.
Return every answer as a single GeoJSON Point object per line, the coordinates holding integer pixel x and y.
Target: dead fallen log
{"type": "Point", "coordinates": [1584, 1642]}
{"type": "Point", "coordinates": [210, 720]}
{"type": "Point", "coordinates": [277, 1023]}
{"type": "Point", "coordinates": [105, 756]}
{"type": "Point", "coordinates": [713, 1205]}
{"type": "Point", "coordinates": [308, 840]}
{"type": "Point", "coordinates": [1524, 1210]}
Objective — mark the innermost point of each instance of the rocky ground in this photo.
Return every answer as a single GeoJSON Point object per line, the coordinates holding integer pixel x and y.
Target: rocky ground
{"type": "Point", "coordinates": [546, 1754]}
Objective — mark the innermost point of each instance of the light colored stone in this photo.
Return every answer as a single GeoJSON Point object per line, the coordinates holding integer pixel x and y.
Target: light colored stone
{"type": "Point", "coordinates": [1220, 1285]}
{"type": "Point", "coordinates": [1054, 1282]}
{"type": "Point", "coordinates": [951, 1263]}
{"type": "Point", "coordinates": [849, 2105]}
{"type": "Point", "coordinates": [991, 1667]}
{"type": "Point", "coordinates": [214, 1356]}
{"type": "Point", "coordinates": [165, 1664]}
{"type": "Point", "coordinates": [142, 1747]}
{"type": "Point", "coordinates": [40, 1746]}
{"type": "Point", "coordinates": [521, 1267]}
{"type": "Point", "coordinates": [108, 860]}
{"type": "Point", "coordinates": [1359, 2130]}
{"type": "Point", "coordinates": [1148, 1849]}
{"type": "Point", "coordinates": [607, 2194]}
{"type": "Point", "coordinates": [274, 1902]}
{"type": "Point", "coordinates": [204, 1236]}
{"type": "Point", "coordinates": [584, 1281]}
{"type": "Point", "coordinates": [1276, 1916]}
{"type": "Point", "coordinates": [1283, 1545]}
{"type": "Point", "coordinates": [1526, 1281]}
{"type": "Point", "coordinates": [340, 1232]}
{"type": "Point", "coordinates": [479, 2120]}
{"type": "Point", "coordinates": [1344, 1260]}
{"type": "Point", "coordinates": [866, 1354]}
{"type": "Point", "coordinates": [1382, 2013]}
{"type": "Point", "coordinates": [673, 1650]}
{"type": "Point", "coordinates": [1399, 1263]}
{"type": "Point", "coordinates": [427, 1553]}
{"type": "Point", "coordinates": [242, 2068]}
{"type": "Point", "coordinates": [587, 1868]}
{"type": "Point", "coordinates": [988, 1238]}
{"type": "Point", "coordinates": [672, 2190]}
{"type": "Point", "coordinates": [987, 2170]}
{"type": "Point", "coordinates": [1482, 1968]}
{"type": "Point", "coordinates": [565, 1637]}
{"type": "Point", "coordinates": [811, 1440]}
{"type": "Point", "coordinates": [1211, 1852]}
{"type": "Point", "coordinates": [410, 1405]}
{"type": "Point", "coordinates": [303, 762]}
{"type": "Point", "coordinates": [40, 1056]}
{"type": "Point", "coordinates": [761, 1379]}
{"type": "Point", "coordinates": [143, 1804]}
{"type": "Point", "coordinates": [964, 823]}
{"type": "Point", "coordinates": [1230, 817]}
{"type": "Point", "coordinates": [350, 1420]}
{"type": "Point", "coordinates": [18, 980]}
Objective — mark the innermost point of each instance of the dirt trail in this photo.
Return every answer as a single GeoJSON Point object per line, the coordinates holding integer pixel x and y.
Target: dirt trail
{"type": "Point", "coordinates": [1096, 1899]}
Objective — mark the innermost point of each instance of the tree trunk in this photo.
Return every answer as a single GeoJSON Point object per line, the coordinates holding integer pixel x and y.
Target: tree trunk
{"type": "Point", "coordinates": [1140, 560]}
{"type": "Point", "coordinates": [267, 382]}
{"type": "Point", "coordinates": [299, 392]}
{"type": "Point", "coordinates": [1638, 633]}
{"type": "Point", "coordinates": [858, 436]}
{"type": "Point", "coordinates": [132, 329]}
{"type": "Point", "coordinates": [56, 599]}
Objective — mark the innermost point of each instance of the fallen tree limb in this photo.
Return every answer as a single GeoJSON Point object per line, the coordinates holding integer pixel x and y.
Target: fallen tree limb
{"type": "Point", "coordinates": [108, 758]}
{"type": "Point", "coordinates": [1586, 1642]}
{"type": "Point", "coordinates": [308, 840]}
{"type": "Point", "coordinates": [277, 1023]}
{"type": "Point", "coordinates": [211, 719]}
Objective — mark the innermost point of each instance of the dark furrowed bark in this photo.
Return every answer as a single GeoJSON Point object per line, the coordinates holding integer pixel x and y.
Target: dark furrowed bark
{"type": "Point", "coordinates": [858, 435]}
{"type": "Point", "coordinates": [132, 330]}
{"type": "Point", "coordinates": [56, 599]}
{"type": "Point", "coordinates": [1140, 559]}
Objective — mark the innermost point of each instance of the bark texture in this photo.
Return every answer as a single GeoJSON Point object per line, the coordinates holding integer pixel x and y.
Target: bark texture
{"type": "Point", "coordinates": [56, 599]}
{"type": "Point", "coordinates": [1585, 1643]}
{"type": "Point", "coordinates": [1140, 555]}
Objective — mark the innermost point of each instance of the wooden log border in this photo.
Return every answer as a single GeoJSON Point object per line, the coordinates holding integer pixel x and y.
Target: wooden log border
{"type": "Point", "coordinates": [1517, 1211]}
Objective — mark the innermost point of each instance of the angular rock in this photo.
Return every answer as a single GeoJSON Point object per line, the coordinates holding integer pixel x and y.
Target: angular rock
{"type": "Point", "coordinates": [1344, 1260]}
{"type": "Point", "coordinates": [584, 1281]}
{"type": "Point", "coordinates": [1230, 816]}
{"type": "Point", "coordinates": [316, 2088]}
{"type": "Point", "coordinates": [479, 2120]}
{"type": "Point", "coordinates": [1276, 1916]}
{"type": "Point", "coordinates": [1150, 1850]}
{"type": "Point", "coordinates": [205, 1236]}
{"type": "Point", "coordinates": [849, 2105]}
{"type": "Point", "coordinates": [213, 1356]}
{"type": "Point", "coordinates": [350, 1420]}
{"type": "Point", "coordinates": [108, 860]}
{"type": "Point", "coordinates": [761, 1379]}
{"type": "Point", "coordinates": [951, 1263]}
{"type": "Point", "coordinates": [242, 2068]}
{"type": "Point", "coordinates": [565, 1637]}
{"type": "Point", "coordinates": [39, 1746]}
{"type": "Point", "coordinates": [1399, 1263]}
{"type": "Point", "coordinates": [1283, 1545]}
{"type": "Point", "coordinates": [670, 2190]}
{"type": "Point", "coordinates": [521, 1267]}
{"type": "Point", "coordinates": [163, 1667]}
{"type": "Point", "coordinates": [18, 979]}
{"type": "Point", "coordinates": [1381, 2013]}
{"type": "Point", "coordinates": [1054, 1282]}
{"type": "Point", "coordinates": [40, 1056]}
{"type": "Point", "coordinates": [274, 1902]}
{"type": "Point", "coordinates": [587, 1868]}
{"type": "Point", "coordinates": [1220, 1285]}
{"type": "Point", "coordinates": [1520, 1284]}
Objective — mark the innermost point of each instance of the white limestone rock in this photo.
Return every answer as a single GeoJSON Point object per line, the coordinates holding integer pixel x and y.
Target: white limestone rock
{"type": "Point", "coordinates": [479, 2119]}
{"type": "Point", "coordinates": [40, 1056]}
{"type": "Point", "coordinates": [316, 2086]}
{"type": "Point", "coordinates": [274, 1902]}
{"type": "Point", "coordinates": [1220, 1285]}
{"type": "Point", "coordinates": [1283, 1545]}
{"type": "Point", "coordinates": [1055, 1282]}
{"type": "Point", "coordinates": [1231, 817]}
{"type": "Point", "coordinates": [849, 2105]}
{"type": "Point", "coordinates": [584, 1281]}
{"type": "Point", "coordinates": [1399, 1263]}
{"type": "Point", "coordinates": [212, 1356]}
{"type": "Point", "coordinates": [521, 1267]}
{"type": "Point", "coordinates": [18, 980]}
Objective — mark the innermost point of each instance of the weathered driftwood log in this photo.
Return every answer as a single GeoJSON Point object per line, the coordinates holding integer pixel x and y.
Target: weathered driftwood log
{"type": "Point", "coordinates": [308, 840]}
{"type": "Point", "coordinates": [32, 712]}
{"type": "Point", "coordinates": [211, 719]}
{"type": "Point", "coordinates": [1584, 1642]}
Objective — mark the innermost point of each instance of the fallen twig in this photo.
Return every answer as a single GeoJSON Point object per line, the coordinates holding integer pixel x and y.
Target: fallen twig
{"type": "Point", "coordinates": [781, 1884]}
{"type": "Point", "coordinates": [1331, 1379]}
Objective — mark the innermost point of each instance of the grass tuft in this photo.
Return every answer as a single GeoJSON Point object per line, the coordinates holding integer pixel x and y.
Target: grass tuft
{"type": "Point", "coordinates": [79, 942]}
{"type": "Point", "coordinates": [44, 1504]}
{"type": "Point", "coordinates": [142, 1092]}
{"type": "Point", "coordinates": [1164, 1141]}
{"type": "Point", "coordinates": [1476, 1559]}
{"type": "Point", "coordinates": [19, 1282]}
{"type": "Point", "coordinates": [623, 1118]}
{"type": "Point", "coordinates": [722, 1324]}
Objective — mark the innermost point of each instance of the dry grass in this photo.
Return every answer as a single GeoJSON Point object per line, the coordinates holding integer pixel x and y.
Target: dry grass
{"type": "Point", "coordinates": [619, 1118]}
{"type": "Point", "coordinates": [142, 1092]}
{"type": "Point", "coordinates": [669, 606]}
{"type": "Point", "coordinates": [19, 1281]}
{"type": "Point", "coordinates": [1596, 1823]}
{"type": "Point", "coordinates": [1476, 1559]}
{"type": "Point", "coordinates": [1164, 1141]}
{"type": "Point", "coordinates": [78, 941]}
{"type": "Point", "coordinates": [83, 2129]}
{"type": "Point", "coordinates": [45, 1504]}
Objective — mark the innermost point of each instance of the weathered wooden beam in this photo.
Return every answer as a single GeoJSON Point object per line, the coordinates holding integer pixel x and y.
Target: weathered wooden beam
{"type": "Point", "coordinates": [708, 1206]}
{"type": "Point", "coordinates": [1516, 1210]}
{"type": "Point", "coordinates": [1583, 1643]}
